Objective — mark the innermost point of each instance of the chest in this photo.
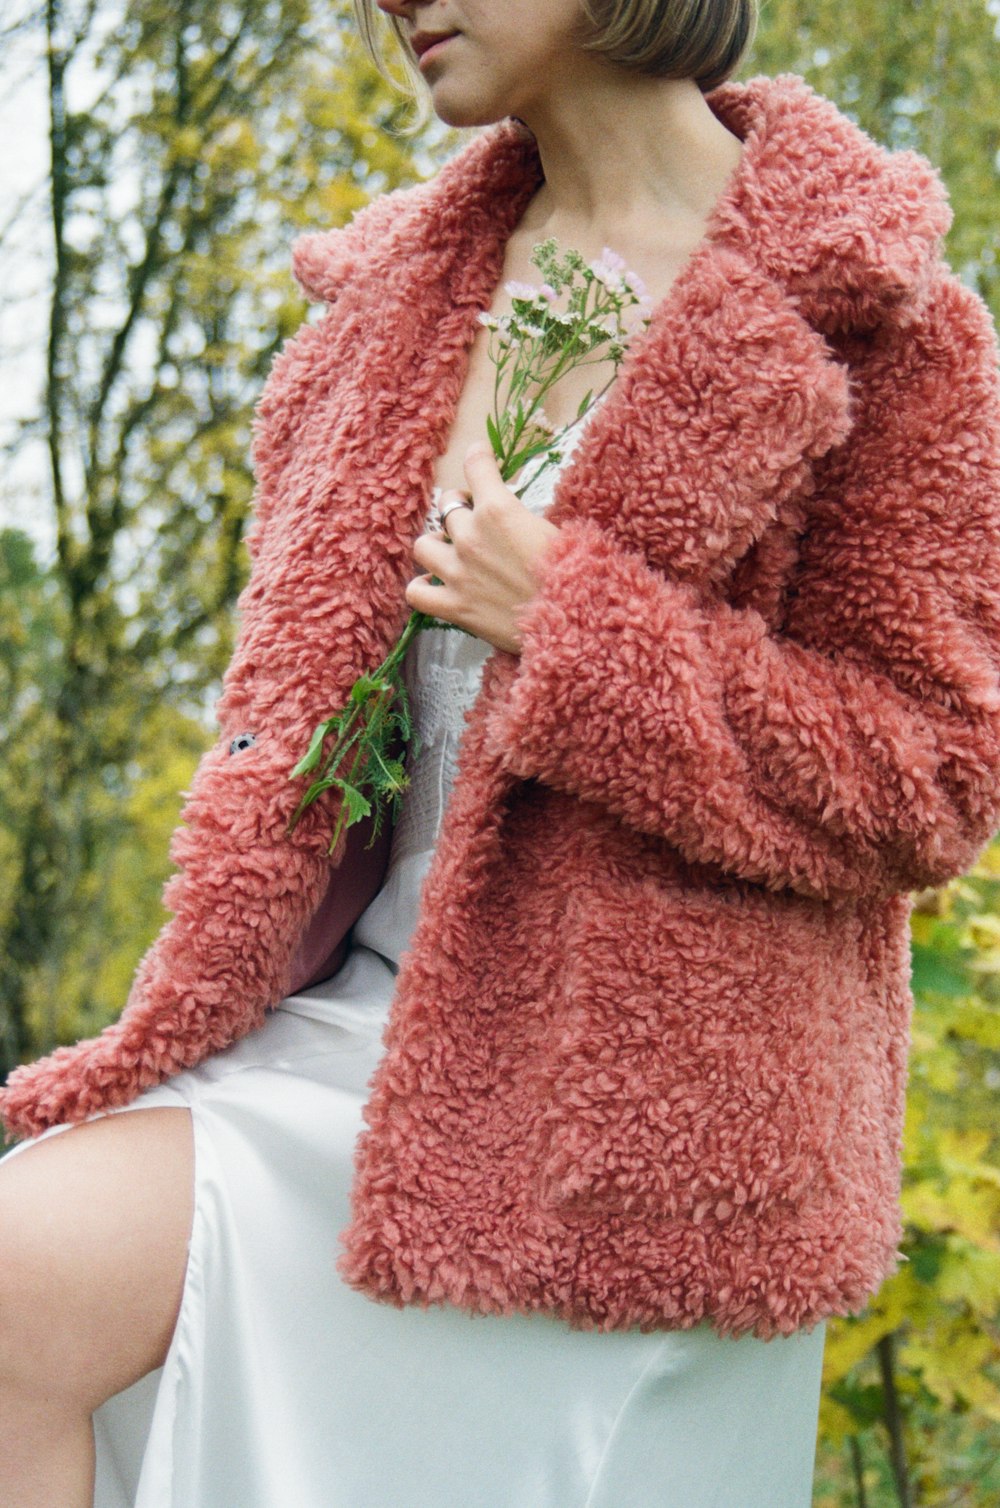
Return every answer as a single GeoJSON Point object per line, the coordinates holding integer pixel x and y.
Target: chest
{"type": "Point", "coordinates": [658, 265]}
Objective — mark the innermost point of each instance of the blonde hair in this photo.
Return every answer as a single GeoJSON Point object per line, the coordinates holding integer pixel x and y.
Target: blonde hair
{"type": "Point", "coordinates": [704, 40]}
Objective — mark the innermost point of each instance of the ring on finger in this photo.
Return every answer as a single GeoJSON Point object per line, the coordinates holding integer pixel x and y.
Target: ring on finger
{"type": "Point", "coordinates": [459, 502]}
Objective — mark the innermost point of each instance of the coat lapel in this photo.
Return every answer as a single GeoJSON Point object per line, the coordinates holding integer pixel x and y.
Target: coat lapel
{"type": "Point", "coordinates": [722, 404]}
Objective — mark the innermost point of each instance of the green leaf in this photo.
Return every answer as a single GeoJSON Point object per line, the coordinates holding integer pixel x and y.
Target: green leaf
{"type": "Point", "coordinates": [357, 805]}
{"type": "Point", "coordinates": [311, 758]}
{"type": "Point", "coordinates": [527, 454]}
{"type": "Point", "coordinates": [363, 688]}
{"type": "Point", "coordinates": [396, 778]}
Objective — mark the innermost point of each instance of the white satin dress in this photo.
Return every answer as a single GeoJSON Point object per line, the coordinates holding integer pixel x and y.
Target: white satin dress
{"type": "Point", "coordinates": [284, 1388]}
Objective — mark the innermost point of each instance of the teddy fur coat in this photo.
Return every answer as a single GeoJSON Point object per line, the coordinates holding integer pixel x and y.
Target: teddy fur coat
{"type": "Point", "coordinates": [646, 1058]}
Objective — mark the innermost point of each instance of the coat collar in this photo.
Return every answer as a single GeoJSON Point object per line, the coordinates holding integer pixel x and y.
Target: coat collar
{"type": "Point", "coordinates": [722, 403]}
{"type": "Point", "coordinates": [710, 433]}
{"type": "Point", "coordinates": [703, 442]}
{"type": "Point", "coordinates": [847, 227]}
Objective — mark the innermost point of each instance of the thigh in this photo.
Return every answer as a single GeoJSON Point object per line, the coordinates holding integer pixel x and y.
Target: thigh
{"type": "Point", "coordinates": [94, 1230]}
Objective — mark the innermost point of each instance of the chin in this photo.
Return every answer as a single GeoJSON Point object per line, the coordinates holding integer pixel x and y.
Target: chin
{"type": "Point", "coordinates": [467, 113]}
{"type": "Point", "coordinates": [466, 101]}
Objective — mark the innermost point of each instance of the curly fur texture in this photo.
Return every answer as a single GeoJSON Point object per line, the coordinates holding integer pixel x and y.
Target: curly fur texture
{"type": "Point", "coordinates": [646, 1060]}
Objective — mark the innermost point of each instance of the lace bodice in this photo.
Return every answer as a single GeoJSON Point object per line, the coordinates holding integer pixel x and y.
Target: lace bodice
{"type": "Point", "coordinates": [443, 670]}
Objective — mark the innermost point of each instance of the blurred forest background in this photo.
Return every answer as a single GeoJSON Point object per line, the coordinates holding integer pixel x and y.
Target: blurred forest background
{"type": "Point", "coordinates": [145, 286]}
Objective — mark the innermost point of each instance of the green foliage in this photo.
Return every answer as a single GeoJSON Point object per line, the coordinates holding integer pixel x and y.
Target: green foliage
{"type": "Point", "coordinates": [173, 194]}
{"type": "Point", "coordinates": [942, 1308]}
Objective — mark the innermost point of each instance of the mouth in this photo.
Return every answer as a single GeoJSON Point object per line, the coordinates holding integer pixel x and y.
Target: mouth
{"type": "Point", "coordinates": [425, 52]}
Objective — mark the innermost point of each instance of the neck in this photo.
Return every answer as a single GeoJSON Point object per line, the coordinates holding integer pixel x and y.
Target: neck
{"type": "Point", "coordinates": [625, 155]}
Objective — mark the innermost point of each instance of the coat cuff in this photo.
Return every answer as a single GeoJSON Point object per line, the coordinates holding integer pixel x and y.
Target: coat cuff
{"type": "Point", "coordinates": [579, 679]}
{"type": "Point", "coordinates": [771, 760]}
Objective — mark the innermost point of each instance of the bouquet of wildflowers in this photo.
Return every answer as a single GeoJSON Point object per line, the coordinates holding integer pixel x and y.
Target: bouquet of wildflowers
{"type": "Point", "coordinates": [531, 348]}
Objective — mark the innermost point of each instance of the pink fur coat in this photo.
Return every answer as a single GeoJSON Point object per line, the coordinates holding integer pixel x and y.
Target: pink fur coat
{"type": "Point", "coordinates": [647, 1055]}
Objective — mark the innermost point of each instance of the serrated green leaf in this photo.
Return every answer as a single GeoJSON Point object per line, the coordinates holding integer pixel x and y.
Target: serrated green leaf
{"type": "Point", "coordinates": [357, 805]}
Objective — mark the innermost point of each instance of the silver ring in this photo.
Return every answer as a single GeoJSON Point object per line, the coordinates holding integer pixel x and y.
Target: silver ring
{"type": "Point", "coordinates": [448, 508]}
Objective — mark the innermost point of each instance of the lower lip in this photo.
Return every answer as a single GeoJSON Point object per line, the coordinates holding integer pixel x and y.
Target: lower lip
{"type": "Point", "coordinates": [432, 52]}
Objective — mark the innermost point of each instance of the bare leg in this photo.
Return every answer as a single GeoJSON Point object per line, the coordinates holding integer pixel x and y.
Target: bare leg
{"type": "Point", "coordinates": [46, 1456]}
{"type": "Point", "coordinates": [94, 1230]}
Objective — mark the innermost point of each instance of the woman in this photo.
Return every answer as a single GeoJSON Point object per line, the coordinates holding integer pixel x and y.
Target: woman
{"type": "Point", "coordinates": [632, 1120]}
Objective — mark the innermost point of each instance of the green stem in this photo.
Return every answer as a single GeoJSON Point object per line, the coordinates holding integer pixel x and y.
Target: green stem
{"type": "Point", "coordinates": [364, 725]}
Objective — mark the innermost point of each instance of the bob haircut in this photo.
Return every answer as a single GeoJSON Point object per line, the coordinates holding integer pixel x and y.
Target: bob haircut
{"type": "Point", "coordinates": [704, 40]}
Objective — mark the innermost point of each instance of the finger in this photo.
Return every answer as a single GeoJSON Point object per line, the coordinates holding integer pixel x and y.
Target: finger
{"type": "Point", "coordinates": [483, 469]}
{"type": "Point", "coordinates": [417, 593]}
{"type": "Point", "coordinates": [434, 551]}
{"type": "Point", "coordinates": [427, 598]}
{"type": "Point", "coordinates": [480, 455]}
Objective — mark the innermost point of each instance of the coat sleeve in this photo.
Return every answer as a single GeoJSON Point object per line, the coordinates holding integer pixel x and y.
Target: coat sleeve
{"type": "Point", "coordinates": [855, 751]}
{"type": "Point", "coordinates": [243, 892]}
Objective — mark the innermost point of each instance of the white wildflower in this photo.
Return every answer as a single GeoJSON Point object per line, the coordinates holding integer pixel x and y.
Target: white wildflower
{"type": "Point", "coordinates": [607, 276]}
{"type": "Point", "coordinates": [523, 290]}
